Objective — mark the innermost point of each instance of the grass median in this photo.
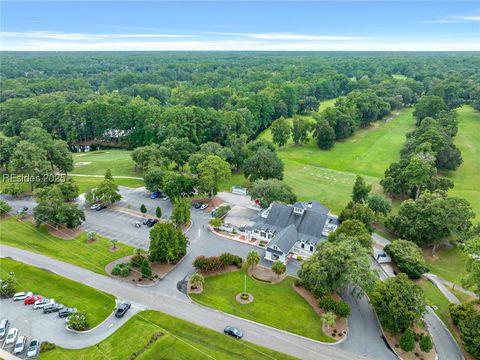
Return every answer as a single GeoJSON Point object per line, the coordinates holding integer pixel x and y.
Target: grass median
{"type": "Point", "coordinates": [278, 305]}
{"type": "Point", "coordinates": [93, 256]}
{"type": "Point", "coordinates": [179, 340]}
{"type": "Point", "coordinates": [97, 304]}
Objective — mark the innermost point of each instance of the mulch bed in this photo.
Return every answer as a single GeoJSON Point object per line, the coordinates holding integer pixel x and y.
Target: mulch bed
{"type": "Point", "coordinates": [341, 324]}
{"type": "Point", "coordinates": [61, 232]}
{"type": "Point", "coordinates": [395, 339]}
{"type": "Point", "coordinates": [266, 275]}
{"type": "Point", "coordinates": [159, 269]}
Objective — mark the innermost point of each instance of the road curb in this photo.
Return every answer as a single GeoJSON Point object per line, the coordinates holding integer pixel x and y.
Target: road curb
{"type": "Point", "coordinates": [90, 330]}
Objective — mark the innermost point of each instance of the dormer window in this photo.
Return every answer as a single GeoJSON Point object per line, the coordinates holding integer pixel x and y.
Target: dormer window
{"type": "Point", "coordinates": [298, 211]}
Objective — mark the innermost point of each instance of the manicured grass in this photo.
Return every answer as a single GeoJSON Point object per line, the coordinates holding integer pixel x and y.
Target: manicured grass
{"type": "Point", "coordinates": [433, 296]}
{"type": "Point", "coordinates": [87, 183]}
{"type": "Point", "coordinates": [118, 161]}
{"type": "Point", "coordinates": [448, 264]}
{"type": "Point", "coordinates": [97, 304]}
{"type": "Point", "coordinates": [269, 305]}
{"type": "Point", "coordinates": [235, 179]}
{"type": "Point", "coordinates": [328, 176]}
{"type": "Point", "coordinates": [92, 256]}
{"type": "Point", "coordinates": [467, 176]}
{"type": "Point", "coordinates": [181, 340]}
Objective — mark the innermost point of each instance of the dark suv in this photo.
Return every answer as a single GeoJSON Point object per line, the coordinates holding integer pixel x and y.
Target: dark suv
{"type": "Point", "coordinates": [122, 309]}
{"type": "Point", "coordinates": [66, 312]}
{"type": "Point", "coordinates": [52, 308]}
{"type": "Point", "coordinates": [151, 222]}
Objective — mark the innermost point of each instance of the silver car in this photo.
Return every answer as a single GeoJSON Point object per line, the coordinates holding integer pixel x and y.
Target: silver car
{"type": "Point", "coordinates": [4, 324]}
{"type": "Point", "coordinates": [21, 295]}
{"type": "Point", "coordinates": [20, 345]}
{"type": "Point", "coordinates": [11, 336]}
{"type": "Point", "coordinates": [40, 304]}
{"type": "Point", "coordinates": [33, 348]}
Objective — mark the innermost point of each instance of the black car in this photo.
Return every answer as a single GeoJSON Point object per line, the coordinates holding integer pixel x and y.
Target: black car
{"type": "Point", "coordinates": [23, 209]}
{"type": "Point", "coordinates": [198, 205]}
{"type": "Point", "coordinates": [52, 308]}
{"type": "Point", "coordinates": [66, 312]}
{"type": "Point", "coordinates": [151, 222]}
{"type": "Point", "coordinates": [233, 331]}
{"type": "Point", "coordinates": [100, 207]}
{"type": "Point", "coordinates": [122, 309]}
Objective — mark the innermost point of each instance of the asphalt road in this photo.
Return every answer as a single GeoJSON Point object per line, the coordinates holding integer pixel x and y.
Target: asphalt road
{"type": "Point", "coordinates": [256, 333]}
{"type": "Point", "coordinates": [364, 334]}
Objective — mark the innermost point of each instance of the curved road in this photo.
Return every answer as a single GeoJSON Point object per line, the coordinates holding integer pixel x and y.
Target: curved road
{"type": "Point", "coordinates": [256, 333]}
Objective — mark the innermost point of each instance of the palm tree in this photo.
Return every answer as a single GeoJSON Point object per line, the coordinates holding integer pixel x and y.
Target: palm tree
{"type": "Point", "coordinates": [114, 243]}
{"type": "Point", "coordinates": [216, 223]}
{"type": "Point", "coordinates": [279, 268]}
{"type": "Point", "coordinates": [91, 235]}
{"type": "Point", "coordinates": [196, 280]}
{"type": "Point", "coordinates": [328, 319]}
{"type": "Point", "coordinates": [137, 251]}
{"type": "Point", "coordinates": [253, 259]}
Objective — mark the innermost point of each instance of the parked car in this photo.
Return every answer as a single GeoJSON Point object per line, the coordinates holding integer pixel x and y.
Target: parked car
{"type": "Point", "coordinates": [4, 325]}
{"type": "Point", "coordinates": [100, 207]}
{"type": "Point", "coordinates": [31, 299]}
{"type": "Point", "coordinates": [203, 206]}
{"type": "Point", "coordinates": [94, 206]}
{"type": "Point", "coordinates": [155, 195]}
{"type": "Point", "coordinates": [151, 222]}
{"type": "Point", "coordinates": [22, 210]}
{"type": "Point", "coordinates": [233, 331]}
{"type": "Point", "coordinates": [20, 345]}
{"type": "Point", "coordinates": [66, 312]}
{"type": "Point", "coordinates": [165, 198]}
{"type": "Point", "coordinates": [196, 205]}
{"type": "Point", "coordinates": [11, 336]}
{"type": "Point", "coordinates": [21, 295]}
{"type": "Point", "coordinates": [33, 348]}
{"type": "Point", "coordinates": [40, 304]}
{"type": "Point", "coordinates": [49, 308]}
{"type": "Point", "coordinates": [122, 309]}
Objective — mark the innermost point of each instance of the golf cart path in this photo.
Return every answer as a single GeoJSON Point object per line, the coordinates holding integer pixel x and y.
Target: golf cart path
{"type": "Point", "coordinates": [259, 334]}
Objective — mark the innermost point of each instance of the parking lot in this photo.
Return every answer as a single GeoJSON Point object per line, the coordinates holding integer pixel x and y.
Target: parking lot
{"type": "Point", "coordinates": [34, 324]}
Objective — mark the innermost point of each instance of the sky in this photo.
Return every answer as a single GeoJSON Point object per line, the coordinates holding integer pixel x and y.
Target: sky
{"type": "Point", "coordinates": [240, 25]}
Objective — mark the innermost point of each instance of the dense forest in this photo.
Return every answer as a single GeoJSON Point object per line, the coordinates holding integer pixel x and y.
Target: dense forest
{"type": "Point", "coordinates": [137, 99]}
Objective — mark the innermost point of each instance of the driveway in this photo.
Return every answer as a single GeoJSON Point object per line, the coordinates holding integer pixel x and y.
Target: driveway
{"type": "Point", "coordinates": [49, 327]}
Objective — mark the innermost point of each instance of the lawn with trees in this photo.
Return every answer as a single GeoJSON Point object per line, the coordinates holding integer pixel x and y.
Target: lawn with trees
{"type": "Point", "coordinates": [91, 255]}
{"type": "Point", "coordinates": [175, 338]}
{"type": "Point", "coordinates": [268, 306]}
{"type": "Point", "coordinates": [97, 304]}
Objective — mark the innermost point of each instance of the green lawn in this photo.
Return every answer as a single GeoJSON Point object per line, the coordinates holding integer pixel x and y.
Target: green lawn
{"type": "Point", "coordinates": [328, 176]}
{"type": "Point", "coordinates": [87, 183]}
{"type": "Point", "coordinates": [433, 296]}
{"type": "Point", "coordinates": [118, 161]}
{"type": "Point", "coordinates": [448, 264]}
{"type": "Point", "coordinates": [97, 304]}
{"type": "Point", "coordinates": [92, 256]}
{"type": "Point", "coordinates": [181, 341]}
{"type": "Point", "coordinates": [467, 176]}
{"type": "Point", "coordinates": [277, 305]}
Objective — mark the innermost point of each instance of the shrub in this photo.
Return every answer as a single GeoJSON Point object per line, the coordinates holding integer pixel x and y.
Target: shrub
{"type": "Point", "coordinates": [460, 312]}
{"type": "Point", "coordinates": [318, 292]}
{"type": "Point", "coordinates": [327, 303]}
{"type": "Point", "coordinates": [230, 259]}
{"type": "Point", "coordinates": [136, 261]}
{"type": "Point", "coordinates": [146, 269]}
{"type": "Point", "coordinates": [342, 309]}
{"type": "Point", "coordinates": [122, 269]}
{"type": "Point", "coordinates": [78, 321]}
{"type": "Point", "coordinates": [211, 263]}
{"type": "Point", "coordinates": [408, 257]}
{"type": "Point", "coordinates": [298, 282]}
{"type": "Point", "coordinates": [426, 344]}
{"type": "Point", "coordinates": [407, 340]}
{"type": "Point", "coordinates": [7, 287]}
{"type": "Point", "coordinates": [46, 346]}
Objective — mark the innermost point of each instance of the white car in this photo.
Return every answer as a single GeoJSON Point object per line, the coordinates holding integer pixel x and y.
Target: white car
{"type": "Point", "coordinates": [94, 206]}
{"type": "Point", "coordinates": [21, 295]}
{"type": "Point", "coordinates": [40, 304]}
{"type": "Point", "coordinates": [20, 345]}
{"type": "Point", "coordinates": [33, 348]}
{"type": "Point", "coordinates": [11, 336]}
{"type": "Point", "coordinates": [203, 207]}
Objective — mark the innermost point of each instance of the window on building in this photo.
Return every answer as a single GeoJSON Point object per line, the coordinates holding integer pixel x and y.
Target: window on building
{"type": "Point", "coordinates": [311, 248]}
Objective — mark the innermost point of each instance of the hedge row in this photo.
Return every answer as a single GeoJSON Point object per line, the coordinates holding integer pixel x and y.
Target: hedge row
{"type": "Point", "coordinates": [214, 263]}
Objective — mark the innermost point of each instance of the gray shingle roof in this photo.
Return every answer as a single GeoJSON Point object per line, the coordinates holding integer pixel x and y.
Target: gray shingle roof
{"type": "Point", "coordinates": [285, 239]}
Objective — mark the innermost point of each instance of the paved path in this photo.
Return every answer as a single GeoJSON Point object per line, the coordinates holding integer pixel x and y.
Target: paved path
{"type": "Point", "coordinates": [437, 281]}
{"type": "Point", "coordinates": [259, 334]}
{"type": "Point", "coordinates": [445, 344]}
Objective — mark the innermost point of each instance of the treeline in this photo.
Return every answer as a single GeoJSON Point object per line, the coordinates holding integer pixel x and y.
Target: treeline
{"type": "Point", "coordinates": [137, 99]}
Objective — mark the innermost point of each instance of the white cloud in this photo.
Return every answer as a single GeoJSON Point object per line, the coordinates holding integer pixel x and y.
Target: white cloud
{"type": "Point", "coordinates": [246, 45]}
{"type": "Point", "coordinates": [453, 19]}
{"type": "Point", "coordinates": [53, 35]}
{"type": "Point", "coordinates": [300, 37]}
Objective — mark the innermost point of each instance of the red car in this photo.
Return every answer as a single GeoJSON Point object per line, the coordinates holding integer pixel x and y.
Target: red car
{"type": "Point", "coordinates": [31, 299]}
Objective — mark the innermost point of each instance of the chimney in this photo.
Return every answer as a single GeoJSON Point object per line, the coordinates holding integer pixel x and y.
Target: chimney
{"type": "Point", "coordinates": [309, 205]}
